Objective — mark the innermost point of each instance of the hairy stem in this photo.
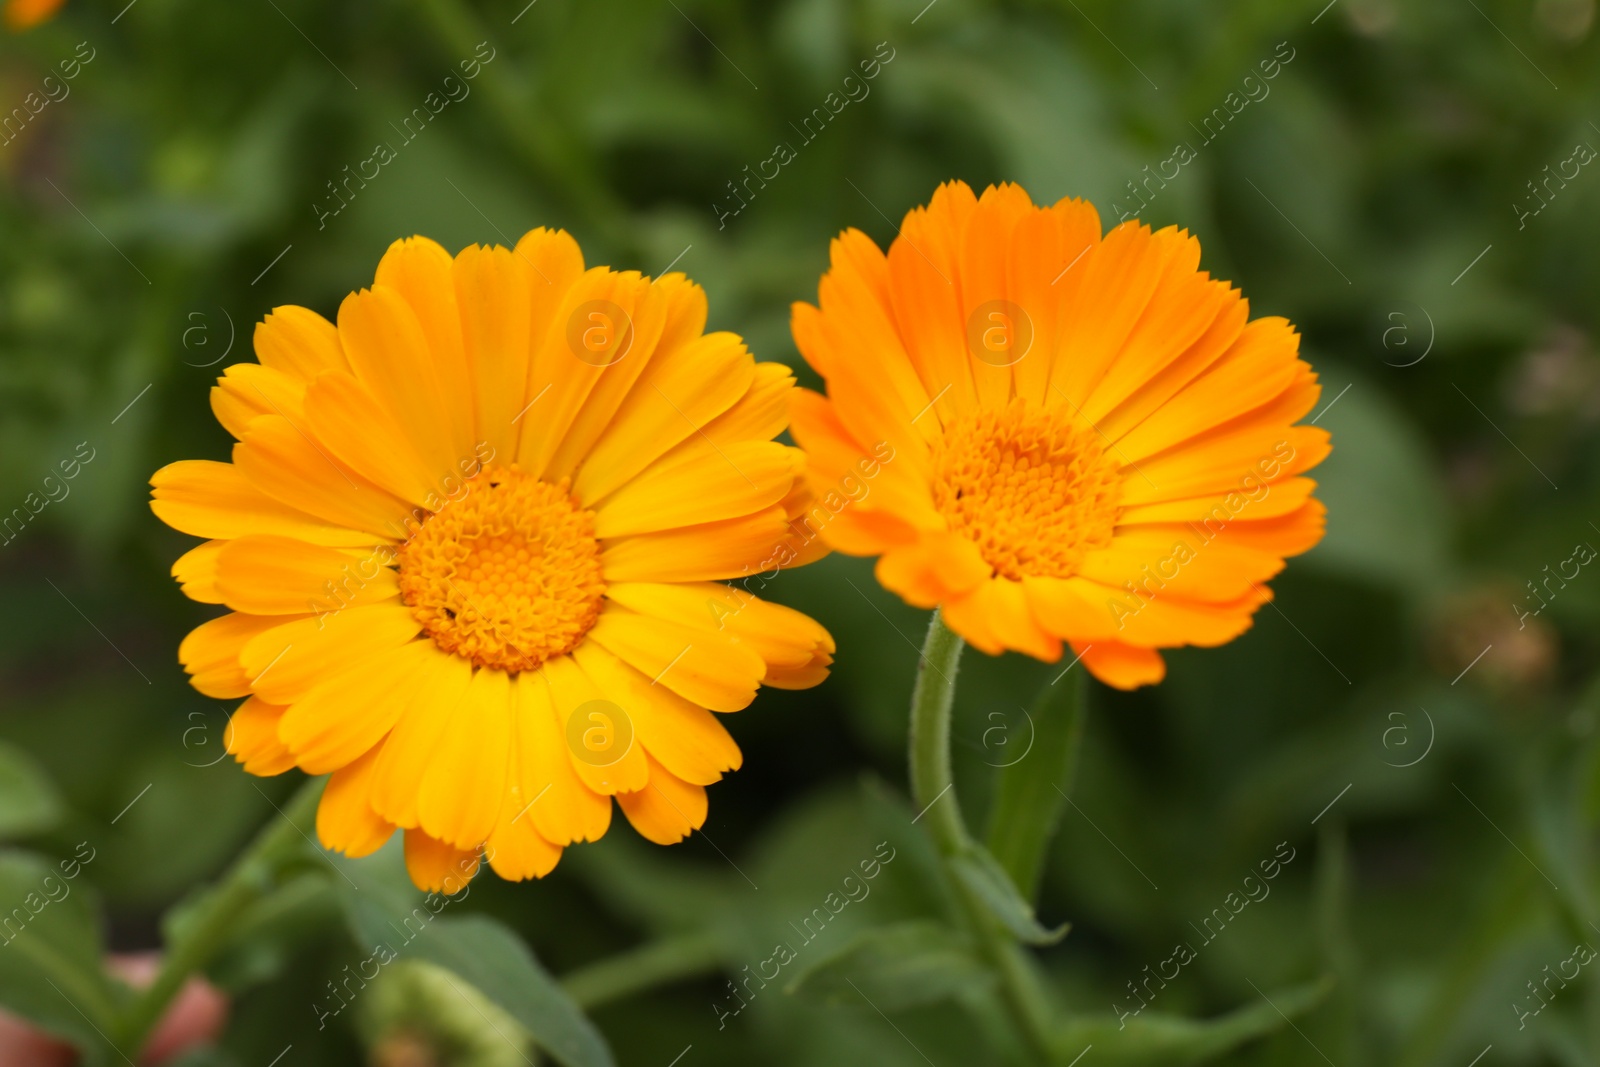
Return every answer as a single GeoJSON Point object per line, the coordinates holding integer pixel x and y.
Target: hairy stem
{"type": "Point", "coordinates": [934, 793]}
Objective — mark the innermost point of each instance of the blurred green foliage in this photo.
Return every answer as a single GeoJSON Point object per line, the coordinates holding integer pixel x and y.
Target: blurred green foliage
{"type": "Point", "coordinates": [1423, 743]}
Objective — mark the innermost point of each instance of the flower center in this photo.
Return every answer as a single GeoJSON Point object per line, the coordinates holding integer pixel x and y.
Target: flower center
{"type": "Point", "coordinates": [1033, 492]}
{"type": "Point", "coordinates": [508, 574]}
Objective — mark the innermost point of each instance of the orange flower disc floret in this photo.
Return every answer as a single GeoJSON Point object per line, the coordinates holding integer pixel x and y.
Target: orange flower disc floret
{"type": "Point", "coordinates": [1031, 491]}
{"type": "Point", "coordinates": [507, 576]}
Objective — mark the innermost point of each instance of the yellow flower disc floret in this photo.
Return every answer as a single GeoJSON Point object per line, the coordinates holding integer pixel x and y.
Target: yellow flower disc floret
{"type": "Point", "coordinates": [1032, 491]}
{"type": "Point", "coordinates": [508, 575]}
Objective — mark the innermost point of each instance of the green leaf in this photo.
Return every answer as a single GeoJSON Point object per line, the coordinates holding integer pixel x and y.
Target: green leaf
{"type": "Point", "coordinates": [50, 950]}
{"type": "Point", "coordinates": [29, 803]}
{"type": "Point", "coordinates": [387, 913]}
{"type": "Point", "coordinates": [1151, 1037]}
{"type": "Point", "coordinates": [926, 888]}
{"type": "Point", "coordinates": [899, 966]}
{"type": "Point", "coordinates": [981, 874]}
{"type": "Point", "coordinates": [1031, 789]}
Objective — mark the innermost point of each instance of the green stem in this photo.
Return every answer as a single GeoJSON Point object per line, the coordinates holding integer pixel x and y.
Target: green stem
{"type": "Point", "coordinates": [934, 792]}
{"type": "Point", "coordinates": [931, 699]}
{"type": "Point", "coordinates": [652, 964]}
{"type": "Point", "coordinates": [218, 914]}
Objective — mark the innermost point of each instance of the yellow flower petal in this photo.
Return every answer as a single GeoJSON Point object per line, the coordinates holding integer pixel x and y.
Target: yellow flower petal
{"type": "Point", "coordinates": [281, 461]}
{"type": "Point", "coordinates": [591, 334]}
{"type": "Point", "coordinates": [648, 317]}
{"type": "Point", "coordinates": [424, 713]}
{"type": "Point", "coordinates": [345, 820]}
{"type": "Point", "coordinates": [196, 571]}
{"type": "Point", "coordinates": [286, 662]}
{"type": "Point", "coordinates": [349, 712]}
{"type": "Point", "coordinates": [247, 391]}
{"type": "Point", "coordinates": [465, 786]}
{"type": "Point", "coordinates": [494, 290]}
{"type": "Point", "coordinates": [680, 392]}
{"type": "Point", "coordinates": [597, 732]}
{"type": "Point", "coordinates": [702, 484]}
{"type": "Point", "coordinates": [785, 639]}
{"type": "Point", "coordinates": [216, 500]}
{"type": "Point", "coordinates": [252, 738]}
{"type": "Point", "coordinates": [211, 652]}
{"type": "Point", "coordinates": [563, 807]}
{"type": "Point", "coordinates": [439, 867]}
{"type": "Point", "coordinates": [270, 575]}
{"type": "Point", "coordinates": [732, 548]}
{"type": "Point", "coordinates": [420, 270]}
{"type": "Point", "coordinates": [517, 852]}
{"type": "Point", "coordinates": [667, 809]}
{"type": "Point", "coordinates": [389, 353]}
{"type": "Point", "coordinates": [300, 343]}
{"type": "Point", "coordinates": [761, 413]}
{"type": "Point", "coordinates": [684, 737]}
{"type": "Point", "coordinates": [706, 668]}
{"type": "Point", "coordinates": [354, 426]}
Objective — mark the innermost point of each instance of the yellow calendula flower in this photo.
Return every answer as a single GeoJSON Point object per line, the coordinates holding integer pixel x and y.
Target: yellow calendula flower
{"type": "Point", "coordinates": [25, 14]}
{"type": "Point", "coordinates": [1092, 443]}
{"type": "Point", "coordinates": [473, 540]}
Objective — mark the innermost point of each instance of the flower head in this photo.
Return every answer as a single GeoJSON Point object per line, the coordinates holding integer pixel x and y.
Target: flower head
{"type": "Point", "coordinates": [25, 14]}
{"type": "Point", "coordinates": [473, 539]}
{"type": "Point", "coordinates": [1092, 443]}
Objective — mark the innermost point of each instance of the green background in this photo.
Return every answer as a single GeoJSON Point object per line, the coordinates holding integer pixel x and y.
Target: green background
{"type": "Point", "coordinates": [1374, 193]}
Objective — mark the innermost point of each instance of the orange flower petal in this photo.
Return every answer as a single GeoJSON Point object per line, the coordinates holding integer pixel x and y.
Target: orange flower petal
{"type": "Point", "coordinates": [1122, 666]}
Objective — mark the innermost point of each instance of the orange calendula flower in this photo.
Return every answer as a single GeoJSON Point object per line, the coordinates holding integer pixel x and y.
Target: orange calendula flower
{"type": "Point", "coordinates": [1091, 443]}
{"type": "Point", "coordinates": [25, 14]}
{"type": "Point", "coordinates": [472, 540]}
